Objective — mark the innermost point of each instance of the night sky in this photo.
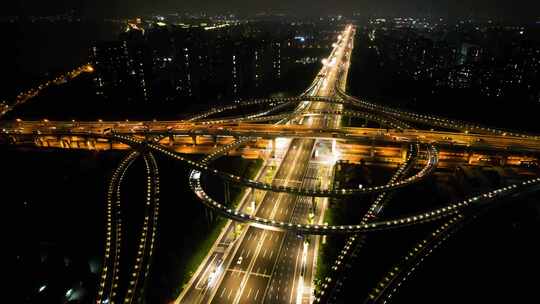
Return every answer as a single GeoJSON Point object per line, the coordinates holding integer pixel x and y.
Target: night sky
{"type": "Point", "coordinates": [514, 10]}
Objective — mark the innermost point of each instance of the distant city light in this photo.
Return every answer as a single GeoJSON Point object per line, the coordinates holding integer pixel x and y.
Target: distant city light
{"type": "Point", "coordinates": [42, 288]}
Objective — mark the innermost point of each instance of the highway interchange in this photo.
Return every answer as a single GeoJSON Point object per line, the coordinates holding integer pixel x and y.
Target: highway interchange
{"type": "Point", "coordinates": [267, 251]}
{"type": "Point", "coordinates": [274, 266]}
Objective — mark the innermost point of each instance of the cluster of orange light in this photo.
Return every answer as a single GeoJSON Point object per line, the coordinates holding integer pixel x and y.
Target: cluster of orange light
{"type": "Point", "coordinates": [31, 93]}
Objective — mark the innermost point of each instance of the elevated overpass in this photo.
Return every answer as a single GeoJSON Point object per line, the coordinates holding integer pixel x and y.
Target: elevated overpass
{"type": "Point", "coordinates": [302, 121]}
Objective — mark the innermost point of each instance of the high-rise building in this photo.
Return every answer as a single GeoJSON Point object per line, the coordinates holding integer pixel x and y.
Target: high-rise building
{"type": "Point", "coordinates": [123, 68]}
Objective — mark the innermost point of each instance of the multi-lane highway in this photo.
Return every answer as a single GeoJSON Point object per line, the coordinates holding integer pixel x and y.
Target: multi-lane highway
{"type": "Point", "coordinates": [274, 266]}
{"type": "Point", "coordinates": [181, 134]}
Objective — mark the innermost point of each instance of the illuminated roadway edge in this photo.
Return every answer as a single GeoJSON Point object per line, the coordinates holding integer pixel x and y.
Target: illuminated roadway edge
{"type": "Point", "coordinates": [431, 164]}
{"type": "Point", "coordinates": [332, 279]}
{"type": "Point", "coordinates": [389, 121]}
{"type": "Point", "coordinates": [426, 216]}
{"type": "Point", "coordinates": [281, 102]}
{"type": "Point", "coordinates": [284, 100]}
{"type": "Point", "coordinates": [108, 281]}
{"type": "Point", "coordinates": [390, 111]}
{"type": "Point", "coordinates": [128, 140]}
{"type": "Point", "coordinates": [420, 217]}
{"type": "Point", "coordinates": [431, 120]}
{"type": "Point", "coordinates": [408, 263]}
{"type": "Point", "coordinates": [113, 238]}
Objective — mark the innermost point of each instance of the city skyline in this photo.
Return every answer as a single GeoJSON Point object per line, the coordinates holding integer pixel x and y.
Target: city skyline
{"type": "Point", "coordinates": [521, 10]}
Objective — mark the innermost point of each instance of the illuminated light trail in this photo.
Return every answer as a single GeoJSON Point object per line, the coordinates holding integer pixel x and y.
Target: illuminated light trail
{"type": "Point", "coordinates": [31, 93]}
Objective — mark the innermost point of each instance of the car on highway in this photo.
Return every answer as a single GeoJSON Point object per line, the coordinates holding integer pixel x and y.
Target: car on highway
{"type": "Point", "coordinates": [140, 129]}
{"type": "Point", "coordinates": [240, 259]}
{"type": "Point", "coordinates": [528, 163]}
{"type": "Point", "coordinates": [398, 138]}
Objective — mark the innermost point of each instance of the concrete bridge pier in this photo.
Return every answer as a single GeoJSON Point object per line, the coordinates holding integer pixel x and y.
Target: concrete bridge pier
{"type": "Point", "coordinates": [469, 157]}
{"type": "Point", "coordinates": [209, 215]}
{"type": "Point", "coordinates": [90, 143]}
{"type": "Point", "coordinates": [171, 140]}
{"type": "Point", "coordinates": [227, 193]}
{"type": "Point", "coordinates": [39, 141]}
{"type": "Point", "coordinates": [65, 143]}
{"type": "Point", "coordinates": [194, 139]}
{"type": "Point", "coordinates": [273, 152]}
{"type": "Point", "coordinates": [404, 152]}
{"type": "Point", "coordinates": [60, 141]}
{"type": "Point", "coordinates": [215, 140]}
{"type": "Point", "coordinates": [503, 160]}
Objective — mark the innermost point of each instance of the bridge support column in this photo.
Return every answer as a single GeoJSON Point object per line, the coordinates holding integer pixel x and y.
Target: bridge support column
{"type": "Point", "coordinates": [171, 140]}
{"type": "Point", "coordinates": [469, 157]}
{"type": "Point", "coordinates": [504, 160]}
{"type": "Point", "coordinates": [215, 140]}
{"type": "Point", "coordinates": [194, 138]}
{"type": "Point", "coordinates": [404, 152]}
{"type": "Point", "coordinates": [90, 143]}
{"type": "Point", "coordinates": [252, 204]}
{"type": "Point", "coordinates": [209, 215]}
{"type": "Point", "coordinates": [110, 144]}
{"type": "Point", "coordinates": [273, 152]}
{"type": "Point", "coordinates": [227, 193]}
